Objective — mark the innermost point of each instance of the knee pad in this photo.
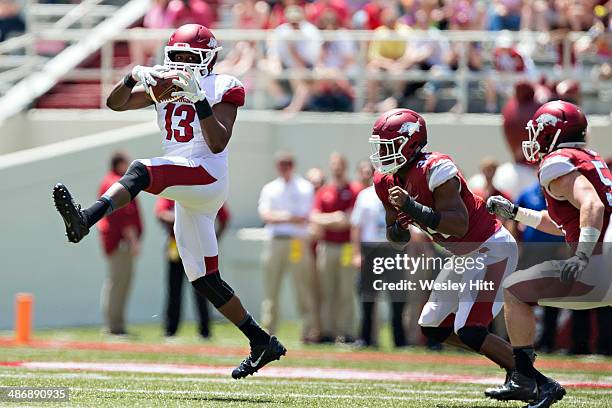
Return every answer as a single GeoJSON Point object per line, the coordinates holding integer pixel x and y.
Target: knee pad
{"type": "Point", "coordinates": [215, 289]}
{"type": "Point", "coordinates": [136, 178]}
{"type": "Point", "coordinates": [438, 334]}
{"type": "Point", "coordinates": [473, 336]}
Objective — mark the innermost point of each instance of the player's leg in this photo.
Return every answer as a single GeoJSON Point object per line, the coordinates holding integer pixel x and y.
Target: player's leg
{"type": "Point", "coordinates": [152, 175]}
{"type": "Point", "coordinates": [197, 244]}
{"type": "Point", "coordinates": [78, 221]}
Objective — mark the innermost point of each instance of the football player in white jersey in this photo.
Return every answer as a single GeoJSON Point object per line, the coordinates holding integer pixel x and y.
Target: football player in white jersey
{"type": "Point", "coordinates": [196, 127]}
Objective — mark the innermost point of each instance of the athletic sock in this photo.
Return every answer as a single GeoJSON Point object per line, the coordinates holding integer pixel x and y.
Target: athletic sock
{"type": "Point", "coordinates": [256, 335]}
{"type": "Point", "coordinates": [523, 361]}
{"type": "Point", "coordinates": [103, 206]}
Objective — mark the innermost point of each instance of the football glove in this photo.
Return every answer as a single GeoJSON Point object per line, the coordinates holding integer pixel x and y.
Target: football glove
{"type": "Point", "coordinates": [146, 75]}
{"type": "Point", "coordinates": [502, 207]}
{"type": "Point", "coordinates": [190, 83]}
{"type": "Point", "coordinates": [572, 268]}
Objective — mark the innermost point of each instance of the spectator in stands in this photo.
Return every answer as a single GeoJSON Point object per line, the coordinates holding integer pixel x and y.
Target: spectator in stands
{"type": "Point", "coordinates": [340, 9]}
{"type": "Point", "coordinates": [505, 15]}
{"type": "Point", "coordinates": [284, 207]}
{"type": "Point", "coordinates": [190, 11]}
{"type": "Point", "coordinates": [164, 211]}
{"type": "Point", "coordinates": [425, 54]}
{"type": "Point", "coordinates": [368, 226]}
{"type": "Point", "coordinates": [386, 55]}
{"type": "Point", "coordinates": [11, 21]}
{"type": "Point", "coordinates": [145, 52]}
{"type": "Point", "coordinates": [331, 214]}
{"type": "Point", "coordinates": [120, 234]}
{"type": "Point", "coordinates": [595, 42]}
{"type": "Point", "coordinates": [337, 58]}
{"type": "Point", "coordinates": [168, 14]}
{"type": "Point", "coordinates": [277, 12]}
{"type": "Point", "coordinates": [508, 59]}
{"type": "Point", "coordinates": [250, 14]}
{"type": "Point", "coordinates": [298, 55]}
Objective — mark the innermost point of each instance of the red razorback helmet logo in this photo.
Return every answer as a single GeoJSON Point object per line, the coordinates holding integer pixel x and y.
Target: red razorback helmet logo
{"type": "Point", "coordinates": [397, 137]}
{"type": "Point", "coordinates": [194, 38]}
{"type": "Point", "coordinates": [555, 125]}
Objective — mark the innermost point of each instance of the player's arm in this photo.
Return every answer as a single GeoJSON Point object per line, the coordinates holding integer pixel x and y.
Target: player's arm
{"type": "Point", "coordinates": [216, 122]}
{"type": "Point", "coordinates": [127, 96]}
{"type": "Point", "coordinates": [450, 215]}
{"type": "Point", "coordinates": [579, 191]}
{"type": "Point", "coordinates": [507, 210]}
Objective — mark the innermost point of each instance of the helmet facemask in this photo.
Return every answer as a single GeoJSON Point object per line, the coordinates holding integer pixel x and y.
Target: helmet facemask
{"type": "Point", "coordinates": [386, 155]}
{"type": "Point", "coordinates": [206, 56]}
{"type": "Point", "coordinates": [531, 147]}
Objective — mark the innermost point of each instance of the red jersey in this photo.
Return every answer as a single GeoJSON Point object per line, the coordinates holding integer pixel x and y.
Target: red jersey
{"type": "Point", "coordinates": [590, 165]}
{"type": "Point", "coordinates": [429, 171]}
{"type": "Point", "coordinates": [112, 226]}
{"type": "Point", "coordinates": [331, 198]}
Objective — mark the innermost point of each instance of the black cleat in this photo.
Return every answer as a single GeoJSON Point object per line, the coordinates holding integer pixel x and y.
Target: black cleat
{"type": "Point", "coordinates": [517, 388]}
{"type": "Point", "coordinates": [490, 392]}
{"type": "Point", "coordinates": [259, 357]}
{"type": "Point", "coordinates": [76, 227]}
{"type": "Point", "coordinates": [549, 393]}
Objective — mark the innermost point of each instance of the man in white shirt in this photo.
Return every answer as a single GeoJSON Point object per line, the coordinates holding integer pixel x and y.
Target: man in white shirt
{"type": "Point", "coordinates": [284, 207]}
{"type": "Point", "coordinates": [285, 53]}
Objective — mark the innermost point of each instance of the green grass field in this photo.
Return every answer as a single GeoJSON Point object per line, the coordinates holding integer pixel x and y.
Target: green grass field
{"type": "Point", "coordinates": [146, 371]}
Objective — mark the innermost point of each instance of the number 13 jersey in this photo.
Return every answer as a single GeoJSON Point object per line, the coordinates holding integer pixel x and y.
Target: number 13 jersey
{"type": "Point", "coordinates": [180, 127]}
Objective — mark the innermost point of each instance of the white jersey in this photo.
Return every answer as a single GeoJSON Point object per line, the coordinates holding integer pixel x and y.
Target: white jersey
{"type": "Point", "coordinates": [180, 128]}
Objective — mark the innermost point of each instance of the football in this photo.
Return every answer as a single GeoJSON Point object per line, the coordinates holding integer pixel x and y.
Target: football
{"type": "Point", "coordinates": [162, 92]}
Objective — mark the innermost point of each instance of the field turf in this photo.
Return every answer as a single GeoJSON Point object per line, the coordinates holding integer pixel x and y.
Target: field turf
{"type": "Point", "coordinates": [147, 371]}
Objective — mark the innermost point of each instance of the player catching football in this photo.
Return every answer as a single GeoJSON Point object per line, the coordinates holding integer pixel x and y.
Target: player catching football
{"type": "Point", "coordinates": [427, 190]}
{"type": "Point", "coordinates": [196, 125]}
{"type": "Point", "coordinates": [577, 186]}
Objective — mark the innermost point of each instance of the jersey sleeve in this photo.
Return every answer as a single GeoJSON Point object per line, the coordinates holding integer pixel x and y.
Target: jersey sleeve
{"type": "Point", "coordinates": [552, 168]}
{"type": "Point", "coordinates": [440, 172]}
{"type": "Point", "coordinates": [229, 89]}
{"type": "Point", "coordinates": [382, 189]}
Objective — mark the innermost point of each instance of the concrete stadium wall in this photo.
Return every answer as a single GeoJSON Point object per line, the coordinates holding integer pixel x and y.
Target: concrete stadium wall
{"type": "Point", "coordinates": [66, 279]}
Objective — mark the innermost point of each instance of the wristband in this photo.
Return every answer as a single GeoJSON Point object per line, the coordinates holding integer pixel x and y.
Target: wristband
{"type": "Point", "coordinates": [129, 81]}
{"type": "Point", "coordinates": [588, 240]}
{"type": "Point", "coordinates": [203, 109]}
{"type": "Point", "coordinates": [398, 234]}
{"type": "Point", "coordinates": [528, 217]}
{"type": "Point", "coordinates": [422, 214]}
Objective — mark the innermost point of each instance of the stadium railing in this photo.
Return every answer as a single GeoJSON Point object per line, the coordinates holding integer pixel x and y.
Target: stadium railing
{"type": "Point", "coordinates": [462, 77]}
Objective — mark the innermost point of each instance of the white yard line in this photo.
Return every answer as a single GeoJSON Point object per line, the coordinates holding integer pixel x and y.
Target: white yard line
{"type": "Point", "coordinates": [275, 395]}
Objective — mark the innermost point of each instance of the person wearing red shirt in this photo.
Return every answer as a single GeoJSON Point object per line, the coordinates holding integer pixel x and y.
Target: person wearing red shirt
{"type": "Point", "coordinates": [331, 217]}
{"type": "Point", "coordinates": [120, 235]}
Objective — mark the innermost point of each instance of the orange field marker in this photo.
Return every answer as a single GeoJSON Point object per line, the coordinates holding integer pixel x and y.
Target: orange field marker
{"type": "Point", "coordinates": [23, 317]}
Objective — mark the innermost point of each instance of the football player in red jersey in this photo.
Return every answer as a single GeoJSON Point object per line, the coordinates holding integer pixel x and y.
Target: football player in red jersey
{"type": "Point", "coordinates": [577, 186]}
{"type": "Point", "coordinates": [427, 190]}
{"type": "Point", "coordinates": [196, 127]}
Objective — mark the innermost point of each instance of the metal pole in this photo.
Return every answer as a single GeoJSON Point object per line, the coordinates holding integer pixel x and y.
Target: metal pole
{"type": "Point", "coordinates": [106, 80]}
